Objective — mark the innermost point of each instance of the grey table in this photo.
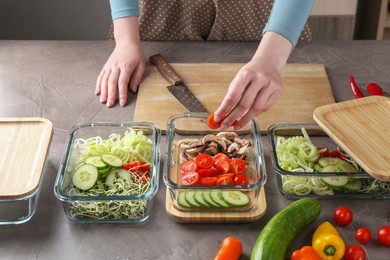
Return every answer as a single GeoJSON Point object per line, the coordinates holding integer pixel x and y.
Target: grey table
{"type": "Point", "coordinates": [56, 79]}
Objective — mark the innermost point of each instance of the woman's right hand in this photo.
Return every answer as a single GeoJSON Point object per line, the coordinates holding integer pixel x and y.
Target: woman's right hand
{"type": "Point", "coordinates": [126, 65]}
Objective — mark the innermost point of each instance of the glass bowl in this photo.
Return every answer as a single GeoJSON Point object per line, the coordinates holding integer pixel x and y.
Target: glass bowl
{"type": "Point", "coordinates": [123, 192]}
{"type": "Point", "coordinates": [325, 181]}
{"type": "Point", "coordinates": [188, 136]}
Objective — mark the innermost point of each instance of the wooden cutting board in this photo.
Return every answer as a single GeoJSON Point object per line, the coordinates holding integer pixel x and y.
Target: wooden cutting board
{"type": "Point", "coordinates": [306, 87]}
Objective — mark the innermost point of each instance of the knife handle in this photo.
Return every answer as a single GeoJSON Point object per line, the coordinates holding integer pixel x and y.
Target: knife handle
{"type": "Point", "coordinates": [165, 69]}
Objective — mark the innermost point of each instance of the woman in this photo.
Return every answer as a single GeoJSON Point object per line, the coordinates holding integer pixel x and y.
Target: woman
{"type": "Point", "coordinates": [255, 88]}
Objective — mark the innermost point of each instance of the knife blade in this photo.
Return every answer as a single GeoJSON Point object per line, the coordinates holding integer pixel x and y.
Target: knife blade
{"type": "Point", "coordinates": [182, 93]}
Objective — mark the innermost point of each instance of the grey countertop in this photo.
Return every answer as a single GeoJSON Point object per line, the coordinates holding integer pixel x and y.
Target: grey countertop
{"type": "Point", "coordinates": [56, 80]}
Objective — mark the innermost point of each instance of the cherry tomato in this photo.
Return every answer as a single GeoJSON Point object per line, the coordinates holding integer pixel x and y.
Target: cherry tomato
{"type": "Point", "coordinates": [383, 235]}
{"type": "Point", "coordinates": [363, 235]}
{"type": "Point", "coordinates": [237, 165]}
{"type": "Point", "coordinates": [240, 179]}
{"type": "Point", "coordinates": [210, 122]}
{"type": "Point", "coordinates": [222, 166]}
{"type": "Point", "coordinates": [229, 174]}
{"type": "Point", "coordinates": [190, 178]}
{"type": "Point", "coordinates": [343, 216]}
{"type": "Point", "coordinates": [225, 180]}
{"type": "Point", "coordinates": [204, 161]}
{"type": "Point", "coordinates": [188, 166]}
{"type": "Point", "coordinates": [354, 252]}
{"type": "Point", "coordinates": [208, 181]}
{"type": "Point", "coordinates": [219, 156]}
{"type": "Point", "coordinates": [207, 172]}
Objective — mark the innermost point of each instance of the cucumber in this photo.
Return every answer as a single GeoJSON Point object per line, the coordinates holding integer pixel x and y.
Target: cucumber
{"type": "Point", "coordinates": [336, 182]}
{"type": "Point", "coordinates": [207, 198]}
{"type": "Point", "coordinates": [181, 200]}
{"type": "Point", "coordinates": [117, 173]}
{"type": "Point", "coordinates": [353, 185]}
{"type": "Point", "coordinates": [190, 198]}
{"type": "Point", "coordinates": [345, 166]}
{"type": "Point", "coordinates": [235, 198]}
{"type": "Point", "coordinates": [112, 160]}
{"type": "Point", "coordinates": [85, 176]}
{"type": "Point", "coordinates": [200, 199]}
{"type": "Point", "coordinates": [97, 162]}
{"type": "Point", "coordinates": [324, 161]}
{"type": "Point", "coordinates": [276, 237]}
{"type": "Point", "coordinates": [216, 196]}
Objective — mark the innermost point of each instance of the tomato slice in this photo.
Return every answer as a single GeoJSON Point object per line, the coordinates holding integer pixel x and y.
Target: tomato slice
{"type": "Point", "coordinates": [190, 178]}
{"type": "Point", "coordinates": [207, 172]}
{"type": "Point", "coordinates": [325, 153]}
{"type": "Point", "coordinates": [230, 174]}
{"type": "Point", "coordinates": [204, 161]}
{"type": "Point", "coordinates": [237, 165]}
{"type": "Point", "coordinates": [222, 166]}
{"type": "Point", "coordinates": [210, 122]}
{"type": "Point", "coordinates": [240, 179]}
{"type": "Point", "coordinates": [208, 181]}
{"type": "Point", "coordinates": [130, 165]}
{"type": "Point", "coordinates": [225, 180]}
{"type": "Point", "coordinates": [220, 156]}
{"type": "Point", "coordinates": [188, 166]}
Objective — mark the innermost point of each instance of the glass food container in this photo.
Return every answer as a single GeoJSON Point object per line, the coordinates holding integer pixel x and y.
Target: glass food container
{"type": "Point", "coordinates": [188, 136]}
{"type": "Point", "coordinates": [122, 190]}
{"type": "Point", "coordinates": [24, 147]}
{"type": "Point", "coordinates": [323, 178]}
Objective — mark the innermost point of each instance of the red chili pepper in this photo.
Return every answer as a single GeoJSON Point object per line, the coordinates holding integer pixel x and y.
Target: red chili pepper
{"type": "Point", "coordinates": [375, 90]}
{"type": "Point", "coordinates": [355, 88]}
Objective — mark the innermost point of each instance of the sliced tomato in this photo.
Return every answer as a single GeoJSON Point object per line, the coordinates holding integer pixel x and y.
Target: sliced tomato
{"type": "Point", "coordinates": [237, 165]}
{"type": "Point", "coordinates": [336, 153]}
{"type": "Point", "coordinates": [220, 156]}
{"type": "Point", "coordinates": [222, 166]}
{"type": "Point", "coordinates": [130, 165]}
{"type": "Point", "coordinates": [240, 179]}
{"type": "Point", "coordinates": [229, 174]}
{"type": "Point", "coordinates": [204, 161]}
{"type": "Point", "coordinates": [211, 123]}
{"type": "Point", "coordinates": [188, 166]}
{"type": "Point", "coordinates": [225, 180]}
{"type": "Point", "coordinates": [207, 172]}
{"type": "Point", "coordinates": [208, 181]}
{"type": "Point", "coordinates": [190, 178]}
{"type": "Point", "coordinates": [325, 153]}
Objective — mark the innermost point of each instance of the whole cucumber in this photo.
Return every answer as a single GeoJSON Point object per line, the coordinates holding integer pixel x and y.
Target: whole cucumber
{"type": "Point", "coordinates": [277, 235]}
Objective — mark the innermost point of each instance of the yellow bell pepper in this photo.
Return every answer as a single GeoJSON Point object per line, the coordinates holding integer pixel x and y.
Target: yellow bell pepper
{"type": "Point", "coordinates": [327, 242]}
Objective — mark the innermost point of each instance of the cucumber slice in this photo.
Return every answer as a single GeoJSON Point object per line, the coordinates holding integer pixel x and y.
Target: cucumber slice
{"type": "Point", "coordinates": [112, 160]}
{"type": "Point", "coordinates": [117, 173]}
{"type": "Point", "coordinates": [200, 199]}
{"type": "Point", "coordinates": [216, 196]}
{"type": "Point", "coordinates": [317, 167]}
{"type": "Point", "coordinates": [336, 182]}
{"type": "Point", "coordinates": [97, 162]}
{"type": "Point", "coordinates": [181, 199]}
{"type": "Point", "coordinates": [85, 176]}
{"type": "Point", "coordinates": [325, 161]}
{"type": "Point", "coordinates": [190, 198]}
{"type": "Point", "coordinates": [235, 198]}
{"type": "Point", "coordinates": [330, 168]}
{"type": "Point", "coordinates": [346, 166]}
{"type": "Point", "coordinates": [353, 185]}
{"type": "Point", "coordinates": [207, 198]}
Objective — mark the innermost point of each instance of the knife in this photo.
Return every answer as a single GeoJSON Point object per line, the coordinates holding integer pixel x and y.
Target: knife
{"type": "Point", "coordinates": [177, 87]}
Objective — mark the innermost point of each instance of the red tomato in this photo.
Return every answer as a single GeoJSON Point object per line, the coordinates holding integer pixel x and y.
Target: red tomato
{"type": "Point", "coordinates": [240, 179]}
{"type": "Point", "coordinates": [237, 165]}
{"type": "Point", "coordinates": [208, 181]}
{"type": "Point", "coordinates": [188, 166]}
{"type": "Point", "coordinates": [230, 174]}
{"type": "Point", "coordinates": [210, 122]}
{"type": "Point", "coordinates": [130, 165]}
{"type": "Point", "coordinates": [336, 153]}
{"type": "Point", "coordinates": [225, 180]}
{"type": "Point", "coordinates": [204, 161]}
{"type": "Point", "coordinates": [222, 166]}
{"type": "Point", "coordinates": [219, 156]}
{"type": "Point", "coordinates": [326, 153]}
{"type": "Point", "coordinates": [207, 172]}
{"type": "Point", "coordinates": [363, 235]}
{"type": "Point", "coordinates": [343, 216]}
{"type": "Point", "coordinates": [190, 178]}
{"type": "Point", "coordinates": [383, 235]}
{"type": "Point", "coordinates": [354, 252]}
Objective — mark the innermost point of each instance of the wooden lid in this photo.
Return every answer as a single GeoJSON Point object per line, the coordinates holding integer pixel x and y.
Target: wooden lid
{"type": "Point", "coordinates": [361, 127]}
{"type": "Point", "coordinates": [24, 145]}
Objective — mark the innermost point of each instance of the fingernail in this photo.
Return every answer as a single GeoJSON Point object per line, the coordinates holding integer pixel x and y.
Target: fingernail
{"type": "Point", "coordinates": [217, 118]}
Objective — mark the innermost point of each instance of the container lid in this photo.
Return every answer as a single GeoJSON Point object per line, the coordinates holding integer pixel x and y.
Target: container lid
{"type": "Point", "coordinates": [24, 145]}
{"type": "Point", "coordinates": [361, 127]}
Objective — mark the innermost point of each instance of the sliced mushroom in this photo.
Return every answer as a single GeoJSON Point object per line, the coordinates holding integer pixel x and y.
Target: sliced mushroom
{"type": "Point", "coordinates": [234, 147]}
{"type": "Point", "coordinates": [213, 138]}
{"type": "Point", "coordinates": [228, 135]}
{"type": "Point", "coordinates": [195, 150]}
{"type": "Point", "coordinates": [243, 149]}
{"type": "Point", "coordinates": [241, 142]}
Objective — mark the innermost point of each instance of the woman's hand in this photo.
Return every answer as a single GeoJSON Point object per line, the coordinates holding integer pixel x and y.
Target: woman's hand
{"type": "Point", "coordinates": [257, 85]}
{"type": "Point", "coordinates": [125, 66]}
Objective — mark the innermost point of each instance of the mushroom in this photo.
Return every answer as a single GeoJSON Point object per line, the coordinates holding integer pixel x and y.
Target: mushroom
{"type": "Point", "coordinates": [228, 135]}
{"type": "Point", "coordinates": [234, 147]}
{"type": "Point", "coordinates": [213, 138]}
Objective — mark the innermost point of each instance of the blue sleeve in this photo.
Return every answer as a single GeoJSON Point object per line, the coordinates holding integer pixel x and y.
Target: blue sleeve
{"type": "Point", "coordinates": [124, 8]}
{"type": "Point", "coordinates": [288, 18]}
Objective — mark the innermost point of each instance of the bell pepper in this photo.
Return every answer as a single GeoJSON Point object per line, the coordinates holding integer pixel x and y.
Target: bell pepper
{"type": "Point", "coordinates": [327, 242]}
{"type": "Point", "coordinates": [305, 253]}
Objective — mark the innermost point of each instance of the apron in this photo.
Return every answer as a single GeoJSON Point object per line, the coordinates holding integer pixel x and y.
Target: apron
{"type": "Point", "coordinates": [205, 20]}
